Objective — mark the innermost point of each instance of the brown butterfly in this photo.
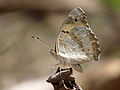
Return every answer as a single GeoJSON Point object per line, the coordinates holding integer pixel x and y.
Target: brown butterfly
{"type": "Point", "coordinates": [76, 43]}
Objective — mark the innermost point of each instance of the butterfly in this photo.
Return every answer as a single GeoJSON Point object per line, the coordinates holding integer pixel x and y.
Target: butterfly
{"type": "Point", "coordinates": [76, 43]}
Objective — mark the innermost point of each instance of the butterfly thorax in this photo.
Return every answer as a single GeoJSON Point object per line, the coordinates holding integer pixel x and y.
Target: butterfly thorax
{"type": "Point", "coordinates": [61, 59]}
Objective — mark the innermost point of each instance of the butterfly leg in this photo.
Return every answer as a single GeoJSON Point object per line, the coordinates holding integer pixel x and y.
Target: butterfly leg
{"type": "Point", "coordinates": [58, 64]}
{"type": "Point", "coordinates": [77, 67]}
{"type": "Point", "coordinates": [55, 66]}
{"type": "Point", "coordinates": [57, 61]}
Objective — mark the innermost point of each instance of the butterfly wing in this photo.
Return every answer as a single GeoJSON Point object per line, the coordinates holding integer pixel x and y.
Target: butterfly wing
{"type": "Point", "coordinates": [76, 40]}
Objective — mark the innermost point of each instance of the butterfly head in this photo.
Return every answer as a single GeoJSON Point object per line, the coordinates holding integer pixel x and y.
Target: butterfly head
{"type": "Point", "coordinates": [53, 53]}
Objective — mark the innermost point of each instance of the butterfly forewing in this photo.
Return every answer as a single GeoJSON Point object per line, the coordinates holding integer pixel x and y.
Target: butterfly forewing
{"type": "Point", "coordinates": [76, 40]}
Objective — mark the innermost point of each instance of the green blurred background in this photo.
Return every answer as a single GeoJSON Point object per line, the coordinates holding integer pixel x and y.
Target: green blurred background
{"type": "Point", "coordinates": [25, 62]}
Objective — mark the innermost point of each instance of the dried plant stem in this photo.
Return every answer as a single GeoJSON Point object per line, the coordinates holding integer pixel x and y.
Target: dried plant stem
{"type": "Point", "coordinates": [63, 80]}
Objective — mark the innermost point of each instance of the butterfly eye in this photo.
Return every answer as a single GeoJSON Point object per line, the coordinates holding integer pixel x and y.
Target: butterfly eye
{"type": "Point", "coordinates": [76, 20]}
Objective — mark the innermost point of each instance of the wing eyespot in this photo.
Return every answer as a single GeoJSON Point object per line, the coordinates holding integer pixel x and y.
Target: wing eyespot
{"type": "Point", "coordinates": [76, 20]}
{"type": "Point", "coordinates": [65, 31]}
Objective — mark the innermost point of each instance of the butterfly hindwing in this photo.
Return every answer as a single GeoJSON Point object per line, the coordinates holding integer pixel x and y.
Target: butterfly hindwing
{"type": "Point", "coordinates": [87, 42]}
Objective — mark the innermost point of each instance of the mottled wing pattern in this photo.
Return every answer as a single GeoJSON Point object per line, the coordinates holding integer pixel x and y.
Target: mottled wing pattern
{"type": "Point", "coordinates": [76, 40]}
{"type": "Point", "coordinates": [87, 42]}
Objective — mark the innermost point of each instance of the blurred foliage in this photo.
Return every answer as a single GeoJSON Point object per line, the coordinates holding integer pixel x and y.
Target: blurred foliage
{"type": "Point", "coordinates": [22, 58]}
{"type": "Point", "coordinates": [114, 4]}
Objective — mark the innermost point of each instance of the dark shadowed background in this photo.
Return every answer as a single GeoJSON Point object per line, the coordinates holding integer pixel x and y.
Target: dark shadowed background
{"type": "Point", "coordinates": [25, 64]}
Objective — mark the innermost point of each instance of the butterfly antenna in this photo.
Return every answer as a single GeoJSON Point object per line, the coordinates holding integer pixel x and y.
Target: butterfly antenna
{"type": "Point", "coordinates": [38, 39]}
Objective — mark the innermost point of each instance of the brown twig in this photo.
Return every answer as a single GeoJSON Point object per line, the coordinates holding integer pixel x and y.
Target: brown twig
{"type": "Point", "coordinates": [63, 80]}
